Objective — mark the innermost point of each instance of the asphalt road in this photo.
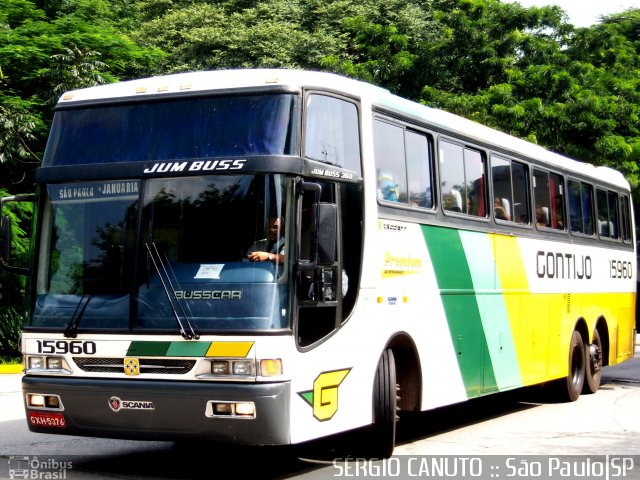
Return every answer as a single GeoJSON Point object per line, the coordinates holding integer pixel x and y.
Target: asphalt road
{"type": "Point", "coordinates": [519, 423]}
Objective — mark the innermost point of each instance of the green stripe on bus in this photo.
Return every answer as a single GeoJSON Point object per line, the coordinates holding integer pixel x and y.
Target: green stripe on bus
{"type": "Point", "coordinates": [461, 308]}
{"type": "Point", "coordinates": [148, 349]}
{"type": "Point", "coordinates": [167, 349]}
{"type": "Point", "coordinates": [480, 248]}
{"type": "Point", "coordinates": [188, 349]}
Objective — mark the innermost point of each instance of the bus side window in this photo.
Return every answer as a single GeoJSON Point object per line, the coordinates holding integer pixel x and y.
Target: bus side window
{"type": "Point", "coordinates": [557, 202]}
{"type": "Point", "coordinates": [580, 197]}
{"type": "Point", "coordinates": [575, 207]}
{"type": "Point", "coordinates": [452, 176]}
{"type": "Point", "coordinates": [419, 169]}
{"type": "Point", "coordinates": [474, 170]}
{"type": "Point", "coordinates": [462, 179]}
{"type": "Point", "coordinates": [548, 194]}
{"type": "Point", "coordinates": [332, 132]}
{"type": "Point", "coordinates": [520, 182]}
{"type": "Point", "coordinates": [390, 162]}
{"type": "Point", "coordinates": [614, 217]}
{"type": "Point", "coordinates": [625, 218]}
{"type": "Point", "coordinates": [586, 195]}
{"type": "Point", "coordinates": [608, 217]}
{"type": "Point", "coordinates": [510, 192]}
{"type": "Point", "coordinates": [603, 213]}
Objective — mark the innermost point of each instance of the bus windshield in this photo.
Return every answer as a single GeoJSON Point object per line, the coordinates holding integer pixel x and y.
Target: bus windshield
{"type": "Point", "coordinates": [111, 258]}
{"type": "Point", "coordinates": [191, 128]}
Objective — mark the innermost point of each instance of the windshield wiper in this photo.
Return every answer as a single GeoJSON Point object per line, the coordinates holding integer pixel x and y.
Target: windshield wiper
{"type": "Point", "coordinates": [72, 327]}
{"type": "Point", "coordinates": [187, 333]}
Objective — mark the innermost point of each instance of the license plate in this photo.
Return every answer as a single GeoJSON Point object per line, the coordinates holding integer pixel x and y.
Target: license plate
{"type": "Point", "coordinates": [42, 419]}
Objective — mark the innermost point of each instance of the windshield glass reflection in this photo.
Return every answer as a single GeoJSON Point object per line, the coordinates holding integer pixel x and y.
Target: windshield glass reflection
{"type": "Point", "coordinates": [96, 272]}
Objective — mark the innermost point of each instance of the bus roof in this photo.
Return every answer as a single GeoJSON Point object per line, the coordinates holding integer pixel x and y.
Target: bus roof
{"type": "Point", "coordinates": [203, 81]}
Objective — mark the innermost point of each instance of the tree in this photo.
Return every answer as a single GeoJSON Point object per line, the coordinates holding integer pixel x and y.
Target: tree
{"type": "Point", "coordinates": [44, 50]}
{"type": "Point", "coordinates": [75, 69]}
{"type": "Point", "coordinates": [34, 44]}
{"type": "Point", "coordinates": [574, 91]}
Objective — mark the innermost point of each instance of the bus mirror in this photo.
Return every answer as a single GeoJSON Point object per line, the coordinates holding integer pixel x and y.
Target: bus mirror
{"type": "Point", "coordinates": [5, 239]}
{"type": "Point", "coordinates": [308, 227]}
{"type": "Point", "coordinates": [327, 233]}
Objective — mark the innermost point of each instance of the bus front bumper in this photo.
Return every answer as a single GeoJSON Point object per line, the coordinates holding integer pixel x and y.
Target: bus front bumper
{"type": "Point", "coordinates": [160, 410]}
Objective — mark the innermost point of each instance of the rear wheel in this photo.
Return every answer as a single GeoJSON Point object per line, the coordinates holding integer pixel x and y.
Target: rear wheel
{"type": "Point", "coordinates": [593, 369]}
{"type": "Point", "coordinates": [382, 437]}
{"type": "Point", "coordinates": [577, 364]}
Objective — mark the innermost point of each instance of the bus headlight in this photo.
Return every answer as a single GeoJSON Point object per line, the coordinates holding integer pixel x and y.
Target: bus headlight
{"type": "Point", "coordinates": [35, 363]}
{"type": "Point", "coordinates": [46, 364]}
{"type": "Point", "coordinates": [220, 368]}
{"type": "Point", "coordinates": [54, 363]}
{"type": "Point", "coordinates": [233, 368]}
{"type": "Point", "coordinates": [243, 367]}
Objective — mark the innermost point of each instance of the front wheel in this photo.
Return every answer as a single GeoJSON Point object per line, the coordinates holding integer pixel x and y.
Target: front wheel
{"type": "Point", "coordinates": [593, 370]}
{"type": "Point", "coordinates": [382, 437]}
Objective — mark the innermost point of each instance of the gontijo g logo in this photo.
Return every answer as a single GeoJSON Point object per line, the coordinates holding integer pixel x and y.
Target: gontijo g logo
{"type": "Point", "coordinates": [324, 396]}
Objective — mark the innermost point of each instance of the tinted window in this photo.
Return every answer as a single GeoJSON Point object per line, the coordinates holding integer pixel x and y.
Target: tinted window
{"type": "Point", "coordinates": [462, 181]}
{"type": "Point", "coordinates": [510, 192]}
{"type": "Point", "coordinates": [403, 164]}
{"type": "Point", "coordinates": [332, 132]}
{"type": "Point", "coordinates": [608, 217]}
{"type": "Point", "coordinates": [548, 197]}
{"type": "Point", "coordinates": [580, 207]}
{"type": "Point", "coordinates": [419, 169]}
{"type": "Point", "coordinates": [175, 129]}
{"type": "Point", "coordinates": [390, 162]}
{"type": "Point", "coordinates": [625, 218]}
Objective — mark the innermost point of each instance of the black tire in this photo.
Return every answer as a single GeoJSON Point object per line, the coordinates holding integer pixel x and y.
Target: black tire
{"type": "Point", "coordinates": [594, 362]}
{"type": "Point", "coordinates": [577, 364]}
{"type": "Point", "coordinates": [382, 437]}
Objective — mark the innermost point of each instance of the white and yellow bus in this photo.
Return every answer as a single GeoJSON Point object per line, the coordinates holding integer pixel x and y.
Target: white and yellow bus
{"type": "Point", "coordinates": [268, 257]}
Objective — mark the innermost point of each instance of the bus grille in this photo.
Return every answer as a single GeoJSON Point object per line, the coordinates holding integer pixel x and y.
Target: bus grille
{"type": "Point", "coordinates": [147, 365]}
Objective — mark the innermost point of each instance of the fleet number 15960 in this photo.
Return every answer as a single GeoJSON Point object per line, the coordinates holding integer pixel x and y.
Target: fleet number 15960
{"type": "Point", "coordinates": [75, 347]}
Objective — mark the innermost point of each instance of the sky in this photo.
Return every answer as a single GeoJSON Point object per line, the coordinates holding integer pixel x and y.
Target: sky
{"type": "Point", "coordinates": [583, 13]}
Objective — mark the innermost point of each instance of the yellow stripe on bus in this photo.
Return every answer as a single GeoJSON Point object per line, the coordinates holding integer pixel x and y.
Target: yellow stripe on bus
{"type": "Point", "coordinates": [229, 349]}
{"type": "Point", "coordinates": [543, 323]}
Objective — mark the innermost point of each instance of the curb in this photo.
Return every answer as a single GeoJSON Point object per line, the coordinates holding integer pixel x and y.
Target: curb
{"type": "Point", "coordinates": [11, 368]}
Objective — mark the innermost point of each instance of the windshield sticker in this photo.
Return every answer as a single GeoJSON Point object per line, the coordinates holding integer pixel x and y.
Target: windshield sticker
{"type": "Point", "coordinates": [210, 271]}
{"type": "Point", "coordinates": [93, 191]}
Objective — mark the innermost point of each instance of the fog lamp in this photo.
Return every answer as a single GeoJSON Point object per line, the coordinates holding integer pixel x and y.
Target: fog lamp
{"type": "Point", "coordinates": [35, 400]}
{"type": "Point", "coordinates": [223, 408]}
{"type": "Point", "coordinates": [246, 409]}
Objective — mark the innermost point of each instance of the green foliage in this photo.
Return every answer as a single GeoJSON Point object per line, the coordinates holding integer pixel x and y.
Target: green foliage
{"type": "Point", "coordinates": [10, 324]}
{"type": "Point", "coordinates": [522, 70]}
{"type": "Point", "coordinates": [12, 286]}
{"type": "Point", "coordinates": [67, 44]}
{"type": "Point", "coordinates": [525, 71]}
